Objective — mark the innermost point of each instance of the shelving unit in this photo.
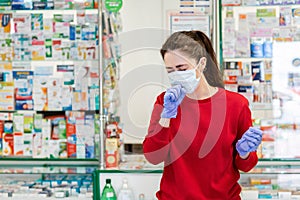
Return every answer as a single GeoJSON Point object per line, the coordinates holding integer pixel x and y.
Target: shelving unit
{"type": "Point", "coordinates": [50, 72]}
{"type": "Point", "coordinates": [51, 60]}
{"type": "Point", "coordinates": [249, 30]}
{"type": "Point", "coordinates": [63, 61]}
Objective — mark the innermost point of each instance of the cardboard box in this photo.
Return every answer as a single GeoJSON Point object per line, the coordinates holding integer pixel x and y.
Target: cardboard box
{"type": "Point", "coordinates": [111, 153]}
{"type": "Point", "coordinates": [71, 140]}
{"type": "Point", "coordinates": [18, 143]}
{"type": "Point", "coordinates": [8, 144]}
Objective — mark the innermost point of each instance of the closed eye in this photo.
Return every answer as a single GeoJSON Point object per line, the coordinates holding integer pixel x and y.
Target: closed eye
{"type": "Point", "coordinates": [181, 67]}
{"type": "Point", "coordinates": [169, 69]}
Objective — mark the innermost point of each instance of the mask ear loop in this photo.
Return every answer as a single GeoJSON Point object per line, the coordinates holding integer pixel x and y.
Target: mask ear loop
{"type": "Point", "coordinates": [210, 89]}
{"type": "Point", "coordinates": [197, 66]}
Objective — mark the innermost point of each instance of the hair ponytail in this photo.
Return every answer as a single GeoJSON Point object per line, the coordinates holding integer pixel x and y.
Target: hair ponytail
{"type": "Point", "coordinates": [212, 73]}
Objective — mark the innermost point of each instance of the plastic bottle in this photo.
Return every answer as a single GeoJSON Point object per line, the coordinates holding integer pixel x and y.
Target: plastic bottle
{"type": "Point", "coordinates": [108, 192]}
{"type": "Point", "coordinates": [125, 192]}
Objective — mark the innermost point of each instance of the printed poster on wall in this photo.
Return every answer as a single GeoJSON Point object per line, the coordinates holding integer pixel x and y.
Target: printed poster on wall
{"type": "Point", "coordinates": [188, 22]}
{"type": "Point", "coordinates": [286, 82]}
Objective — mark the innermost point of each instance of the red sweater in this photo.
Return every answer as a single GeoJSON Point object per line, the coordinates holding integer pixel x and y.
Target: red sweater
{"type": "Point", "coordinates": [198, 149]}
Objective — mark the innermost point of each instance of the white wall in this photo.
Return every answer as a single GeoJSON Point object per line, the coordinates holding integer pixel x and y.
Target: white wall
{"type": "Point", "coordinates": [142, 74]}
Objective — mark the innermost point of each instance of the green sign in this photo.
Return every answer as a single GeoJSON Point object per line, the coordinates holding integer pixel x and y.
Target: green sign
{"type": "Point", "coordinates": [113, 5]}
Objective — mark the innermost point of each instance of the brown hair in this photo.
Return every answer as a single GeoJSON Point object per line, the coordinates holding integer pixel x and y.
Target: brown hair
{"type": "Point", "coordinates": [196, 45]}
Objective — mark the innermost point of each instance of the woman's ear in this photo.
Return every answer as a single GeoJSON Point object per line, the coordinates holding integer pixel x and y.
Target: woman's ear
{"type": "Point", "coordinates": [202, 64]}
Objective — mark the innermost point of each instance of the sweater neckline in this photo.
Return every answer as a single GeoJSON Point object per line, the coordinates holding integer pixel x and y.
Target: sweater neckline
{"type": "Point", "coordinates": [218, 93]}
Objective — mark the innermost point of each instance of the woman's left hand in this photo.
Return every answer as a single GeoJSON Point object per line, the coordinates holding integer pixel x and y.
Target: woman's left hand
{"type": "Point", "coordinates": [249, 142]}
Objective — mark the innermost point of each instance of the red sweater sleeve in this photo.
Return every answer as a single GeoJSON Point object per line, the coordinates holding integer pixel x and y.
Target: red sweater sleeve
{"type": "Point", "coordinates": [244, 122]}
{"type": "Point", "coordinates": [155, 144]}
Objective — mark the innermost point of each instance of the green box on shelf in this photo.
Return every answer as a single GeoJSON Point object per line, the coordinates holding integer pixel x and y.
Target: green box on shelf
{"type": "Point", "coordinates": [38, 122]}
{"type": "Point", "coordinates": [18, 122]}
{"type": "Point", "coordinates": [5, 4]}
{"type": "Point", "coordinates": [28, 123]}
{"type": "Point", "coordinates": [62, 129]}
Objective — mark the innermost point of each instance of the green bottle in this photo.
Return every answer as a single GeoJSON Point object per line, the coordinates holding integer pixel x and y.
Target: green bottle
{"type": "Point", "coordinates": [108, 192]}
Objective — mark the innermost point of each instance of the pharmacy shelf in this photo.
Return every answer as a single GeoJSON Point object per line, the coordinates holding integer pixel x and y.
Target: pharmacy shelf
{"type": "Point", "coordinates": [65, 61]}
{"type": "Point", "coordinates": [44, 112]}
{"type": "Point", "coordinates": [38, 166]}
{"type": "Point", "coordinates": [261, 106]}
{"type": "Point", "coordinates": [264, 166]}
{"type": "Point", "coordinates": [276, 169]}
{"type": "Point", "coordinates": [57, 11]}
{"type": "Point", "coordinates": [48, 198]}
{"type": "Point", "coordinates": [49, 169]}
{"type": "Point", "coordinates": [255, 6]}
{"type": "Point", "coordinates": [279, 162]}
{"type": "Point", "coordinates": [31, 162]}
{"type": "Point", "coordinates": [236, 59]}
{"type": "Point", "coordinates": [128, 171]}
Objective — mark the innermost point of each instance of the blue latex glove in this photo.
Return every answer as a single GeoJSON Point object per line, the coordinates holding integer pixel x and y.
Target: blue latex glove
{"type": "Point", "coordinates": [249, 141]}
{"type": "Point", "coordinates": [172, 99]}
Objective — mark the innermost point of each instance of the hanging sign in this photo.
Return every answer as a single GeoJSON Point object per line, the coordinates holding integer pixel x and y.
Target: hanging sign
{"type": "Point", "coordinates": [113, 5]}
{"type": "Point", "coordinates": [188, 22]}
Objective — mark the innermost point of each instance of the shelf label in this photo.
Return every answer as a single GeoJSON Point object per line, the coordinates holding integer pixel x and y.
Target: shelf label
{"type": "Point", "coordinates": [113, 5]}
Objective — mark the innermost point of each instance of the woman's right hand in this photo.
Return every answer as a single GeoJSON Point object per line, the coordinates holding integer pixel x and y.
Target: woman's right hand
{"type": "Point", "coordinates": [173, 97]}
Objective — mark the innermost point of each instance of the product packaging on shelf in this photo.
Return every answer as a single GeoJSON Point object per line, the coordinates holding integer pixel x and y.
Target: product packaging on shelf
{"type": "Point", "coordinates": [31, 135]}
{"type": "Point", "coordinates": [7, 96]}
{"type": "Point", "coordinates": [113, 145]}
{"type": "Point", "coordinates": [1, 135]}
{"type": "Point", "coordinates": [36, 38]}
{"type": "Point", "coordinates": [108, 192]}
{"type": "Point", "coordinates": [268, 141]}
{"type": "Point", "coordinates": [112, 153]}
{"type": "Point", "coordinates": [125, 192]}
{"type": "Point", "coordinates": [21, 4]}
{"type": "Point", "coordinates": [56, 186]}
{"type": "Point", "coordinates": [7, 144]}
{"type": "Point", "coordinates": [71, 135]}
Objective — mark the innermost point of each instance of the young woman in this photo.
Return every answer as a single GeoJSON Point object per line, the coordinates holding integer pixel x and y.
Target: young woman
{"type": "Point", "coordinates": [200, 131]}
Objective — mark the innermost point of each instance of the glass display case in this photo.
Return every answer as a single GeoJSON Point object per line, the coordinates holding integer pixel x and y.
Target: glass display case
{"type": "Point", "coordinates": [270, 179]}
{"type": "Point", "coordinates": [34, 181]}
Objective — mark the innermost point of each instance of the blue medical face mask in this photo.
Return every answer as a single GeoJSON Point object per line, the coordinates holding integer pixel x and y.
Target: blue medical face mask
{"type": "Point", "coordinates": [187, 79]}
